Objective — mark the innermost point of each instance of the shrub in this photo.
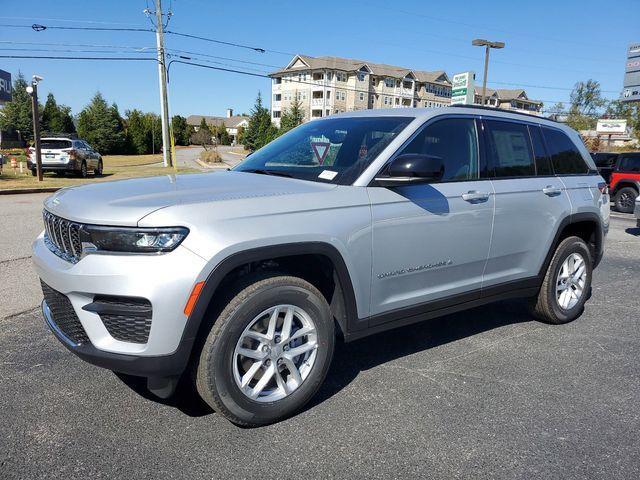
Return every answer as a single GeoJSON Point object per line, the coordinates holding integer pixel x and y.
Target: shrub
{"type": "Point", "coordinates": [210, 156]}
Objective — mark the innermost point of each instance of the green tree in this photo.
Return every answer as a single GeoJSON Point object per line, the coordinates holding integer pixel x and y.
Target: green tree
{"type": "Point", "coordinates": [16, 114]}
{"type": "Point", "coordinates": [102, 126]}
{"type": "Point", "coordinates": [221, 134]}
{"type": "Point", "coordinates": [260, 130]}
{"type": "Point", "coordinates": [586, 103]}
{"type": "Point", "coordinates": [56, 118]}
{"type": "Point", "coordinates": [137, 138]}
{"type": "Point", "coordinates": [291, 117]}
{"type": "Point", "coordinates": [202, 136]}
{"type": "Point", "coordinates": [181, 130]}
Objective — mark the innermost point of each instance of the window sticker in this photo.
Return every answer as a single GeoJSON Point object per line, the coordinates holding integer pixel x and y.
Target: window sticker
{"type": "Point", "coordinates": [328, 175]}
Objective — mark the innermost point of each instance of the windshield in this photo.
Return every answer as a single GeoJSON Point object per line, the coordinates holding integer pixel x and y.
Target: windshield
{"type": "Point", "coordinates": [335, 150]}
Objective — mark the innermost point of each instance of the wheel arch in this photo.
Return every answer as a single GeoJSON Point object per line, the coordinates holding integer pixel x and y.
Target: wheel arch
{"type": "Point", "coordinates": [586, 225]}
{"type": "Point", "coordinates": [283, 258]}
{"type": "Point", "coordinates": [620, 184]}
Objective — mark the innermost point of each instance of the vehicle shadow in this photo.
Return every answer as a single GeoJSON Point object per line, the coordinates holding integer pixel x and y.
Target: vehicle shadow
{"type": "Point", "coordinates": [635, 231]}
{"type": "Point", "coordinates": [352, 358]}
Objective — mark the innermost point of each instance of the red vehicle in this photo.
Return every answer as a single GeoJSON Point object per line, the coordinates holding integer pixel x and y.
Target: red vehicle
{"type": "Point", "coordinates": [624, 185]}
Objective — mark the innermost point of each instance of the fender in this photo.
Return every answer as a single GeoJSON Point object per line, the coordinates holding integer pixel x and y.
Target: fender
{"type": "Point", "coordinates": [192, 327]}
{"type": "Point", "coordinates": [625, 182]}
{"type": "Point", "coordinates": [575, 218]}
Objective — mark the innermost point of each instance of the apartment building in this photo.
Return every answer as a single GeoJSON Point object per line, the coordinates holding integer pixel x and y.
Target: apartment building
{"type": "Point", "coordinates": [328, 85]}
{"type": "Point", "coordinates": [515, 100]}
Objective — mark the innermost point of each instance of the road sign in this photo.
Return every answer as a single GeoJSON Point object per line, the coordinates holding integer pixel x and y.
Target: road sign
{"type": "Point", "coordinates": [462, 88]}
{"type": "Point", "coordinates": [609, 126]}
{"type": "Point", "coordinates": [320, 149]}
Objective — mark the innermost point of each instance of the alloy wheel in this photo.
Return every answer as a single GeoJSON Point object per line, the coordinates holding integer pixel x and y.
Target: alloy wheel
{"type": "Point", "coordinates": [570, 281]}
{"type": "Point", "coordinates": [275, 353]}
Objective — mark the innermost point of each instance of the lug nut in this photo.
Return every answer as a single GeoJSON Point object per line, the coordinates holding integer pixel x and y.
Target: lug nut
{"type": "Point", "coordinates": [265, 348]}
{"type": "Point", "coordinates": [286, 348]}
{"type": "Point", "coordinates": [280, 361]}
{"type": "Point", "coordinates": [277, 339]}
{"type": "Point", "coordinates": [267, 362]}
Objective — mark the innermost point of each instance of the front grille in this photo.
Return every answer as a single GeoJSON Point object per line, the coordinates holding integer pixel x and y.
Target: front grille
{"type": "Point", "coordinates": [62, 237]}
{"type": "Point", "coordinates": [63, 315]}
{"type": "Point", "coordinates": [127, 319]}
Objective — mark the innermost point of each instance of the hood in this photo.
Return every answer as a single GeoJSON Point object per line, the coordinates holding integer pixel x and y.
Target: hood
{"type": "Point", "coordinates": [126, 202]}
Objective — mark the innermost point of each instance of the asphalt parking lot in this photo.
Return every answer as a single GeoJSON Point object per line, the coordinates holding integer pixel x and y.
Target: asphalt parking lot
{"type": "Point", "coordinates": [487, 393]}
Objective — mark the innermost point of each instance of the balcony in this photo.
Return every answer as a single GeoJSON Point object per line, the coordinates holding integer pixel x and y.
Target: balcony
{"type": "Point", "coordinates": [317, 102]}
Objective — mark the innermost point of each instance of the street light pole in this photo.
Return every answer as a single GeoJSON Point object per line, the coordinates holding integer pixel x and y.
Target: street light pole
{"type": "Point", "coordinates": [480, 42]}
{"type": "Point", "coordinates": [33, 91]}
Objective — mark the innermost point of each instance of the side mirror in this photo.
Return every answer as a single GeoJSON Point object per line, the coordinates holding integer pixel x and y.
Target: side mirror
{"type": "Point", "coordinates": [413, 168]}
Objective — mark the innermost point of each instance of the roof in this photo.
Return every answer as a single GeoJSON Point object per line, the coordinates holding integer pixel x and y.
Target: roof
{"type": "Point", "coordinates": [506, 95]}
{"type": "Point", "coordinates": [229, 122]}
{"type": "Point", "coordinates": [305, 62]}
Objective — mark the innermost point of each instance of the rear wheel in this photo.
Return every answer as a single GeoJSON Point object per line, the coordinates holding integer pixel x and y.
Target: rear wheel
{"type": "Point", "coordinates": [34, 172]}
{"type": "Point", "coordinates": [625, 199]}
{"type": "Point", "coordinates": [268, 352]}
{"type": "Point", "coordinates": [98, 169]}
{"type": "Point", "coordinates": [567, 283]}
{"type": "Point", "coordinates": [83, 170]}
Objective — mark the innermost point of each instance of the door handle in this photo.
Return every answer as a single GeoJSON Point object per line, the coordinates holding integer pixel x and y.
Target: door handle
{"type": "Point", "coordinates": [474, 196]}
{"type": "Point", "coordinates": [551, 191]}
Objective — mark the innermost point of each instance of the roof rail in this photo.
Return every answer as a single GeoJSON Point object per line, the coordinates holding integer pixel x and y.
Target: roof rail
{"type": "Point", "coordinates": [73, 136]}
{"type": "Point", "coordinates": [494, 109]}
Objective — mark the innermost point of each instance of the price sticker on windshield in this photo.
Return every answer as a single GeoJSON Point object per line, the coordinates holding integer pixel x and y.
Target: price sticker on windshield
{"type": "Point", "coordinates": [320, 149]}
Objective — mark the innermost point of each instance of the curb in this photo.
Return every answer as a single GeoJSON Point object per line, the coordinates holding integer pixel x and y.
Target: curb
{"type": "Point", "coordinates": [212, 167]}
{"type": "Point", "coordinates": [15, 191]}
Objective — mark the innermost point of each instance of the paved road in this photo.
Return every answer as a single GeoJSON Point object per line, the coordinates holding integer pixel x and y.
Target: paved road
{"type": "Point", "coordinates": [487, 393]}
{"type": "Point", "coordinates": [186, 157]}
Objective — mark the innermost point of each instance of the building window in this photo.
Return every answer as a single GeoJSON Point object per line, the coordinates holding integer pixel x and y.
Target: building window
{"type": "Point", "coordinates": [328, 94]}
{"type": "Point", "coordinates": [277, 80]}
{"type": "Point", "coordinates": [389, 82]}
{"type": "Point", "coordinates": [277, 97]}
{"type": "Point", "coordinates": [327, 113]}
{"type": "Point", "coordinates": [276, 113]}
{"type": "Point", "coordinates": [329, 76]}
{"type": "Point", "coordinates": [341, 76]}
{"type": "Point", "coordinates": [397, 101]}
{"type": "Point", "coordinates": [362, 96]}
{"type": "Point", "coordinates": [361, 76]}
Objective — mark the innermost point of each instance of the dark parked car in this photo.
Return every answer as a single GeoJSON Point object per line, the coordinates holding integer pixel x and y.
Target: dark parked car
{"type": "Point", "coordinates": [605, 162]}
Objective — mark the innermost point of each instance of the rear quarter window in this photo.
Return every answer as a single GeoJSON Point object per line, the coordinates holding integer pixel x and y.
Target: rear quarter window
{"type": "Point", "coordinates": [565, 156]}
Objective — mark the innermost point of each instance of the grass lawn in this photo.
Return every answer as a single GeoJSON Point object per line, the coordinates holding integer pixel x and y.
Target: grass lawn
{"type": "Point", "coordinates": [115, 167]}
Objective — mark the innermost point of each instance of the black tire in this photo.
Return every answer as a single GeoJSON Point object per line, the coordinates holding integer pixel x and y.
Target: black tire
{"type": "Point", "coordinates": [83, 170]}
{"type": "Point", "coordinates": [625, 199]}
{"type": "Point", "coordinates": [545, 306]}
{"type": "Point", "coordinates": [98, 170]}
{"type": "Point", "coordinates": [60, 173]}
{"type": "Point", "coordinates": [34, 172]}
{"type": "Point", "coordinates": [214, 372]}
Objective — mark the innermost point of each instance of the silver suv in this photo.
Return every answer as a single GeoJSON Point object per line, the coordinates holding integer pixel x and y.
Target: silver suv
{"type": "Point", "coordinates": [351, 225]}
{"type": "Point", "coordinates": [63, 154]}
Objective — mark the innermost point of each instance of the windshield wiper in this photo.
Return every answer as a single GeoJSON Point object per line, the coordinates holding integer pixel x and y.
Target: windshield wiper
{"type": "Point", "coordinates": [261, 171]}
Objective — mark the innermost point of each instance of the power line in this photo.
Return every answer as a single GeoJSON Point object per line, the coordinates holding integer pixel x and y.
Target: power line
{"type": "Point", "coordinates": [49, 50]}
{"type": "Point", "coordinates": [47, 57]}
{"type": "Point", "coordinates": [11, 42]}
{"type": "Point", "coordinates": [69, 20]}
{"type": "Point", "coordinates": [200, 54]}
{"type": "Point", "coordinates": [231, 44]}
{"type": "Point", "coordinates": [39, 28]}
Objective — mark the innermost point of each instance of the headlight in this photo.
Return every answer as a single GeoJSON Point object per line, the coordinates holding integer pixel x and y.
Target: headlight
{"type": "Point", "coordinates": [132, 240]}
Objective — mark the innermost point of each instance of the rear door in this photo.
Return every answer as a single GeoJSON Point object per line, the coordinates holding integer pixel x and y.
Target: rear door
{"type": "Point", "coordinates": [430, 241]}
{"type": "Point", "coordinates": [529, 206]}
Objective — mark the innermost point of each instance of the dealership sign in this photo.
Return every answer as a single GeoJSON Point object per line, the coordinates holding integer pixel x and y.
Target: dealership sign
{"type": "Point", "coordinates": [631, 86]}
{"type": "Point", "coordinates": [5, 86]}
{"type": "Point", "coordinates": [462, 88]}
{"type": "Point", "coordinates": [609, 126]}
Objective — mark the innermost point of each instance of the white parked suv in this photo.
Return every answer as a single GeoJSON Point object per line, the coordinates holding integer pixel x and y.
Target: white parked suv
{"type": "Point", "coordinates": [348, 225]}
{"type": "Point", "coordinates": [63, 154]}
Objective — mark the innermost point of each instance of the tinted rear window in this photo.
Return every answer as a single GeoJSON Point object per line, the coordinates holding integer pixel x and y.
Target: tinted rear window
{"type": "Point", "coordinates": [604, 159]}
{"type": "Point", "coordinates": [55, 144]}
{"type": "Point", "coordinates": [543, 163]}
{"type": "Point", "coordinates": [629, 163]}
{"type": "Point", "coordinates": [565, 156]}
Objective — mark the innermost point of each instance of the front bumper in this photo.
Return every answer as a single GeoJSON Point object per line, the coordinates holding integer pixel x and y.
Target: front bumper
{"type": "Point", "coordinates": [165, 280]}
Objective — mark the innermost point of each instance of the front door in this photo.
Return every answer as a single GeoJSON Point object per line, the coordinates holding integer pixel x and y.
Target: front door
{"type": "Point", "coordinates": [431, 241]}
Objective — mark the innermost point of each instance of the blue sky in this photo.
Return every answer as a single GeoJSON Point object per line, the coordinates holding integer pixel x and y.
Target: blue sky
{"type": "Point", "coordinates": [548, 44]}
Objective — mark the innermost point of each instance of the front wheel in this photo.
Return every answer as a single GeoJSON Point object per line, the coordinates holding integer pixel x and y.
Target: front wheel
{"type": "Point", "coordinates": [625, 199]}
{"type": "Point", "coordinates": [98, 170]}
{"type": "Point", "coordinates": [566, 285]}
{"type": "Point", "coordinates": [268, 351]}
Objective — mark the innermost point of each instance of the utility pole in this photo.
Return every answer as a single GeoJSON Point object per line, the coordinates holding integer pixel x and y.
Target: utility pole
{"type": "Point", "coordinates": [479, 42]}
{"type": "Point", "coordinates": [162, 78]}
{"type": "Point", "coordinates": [33, 91]}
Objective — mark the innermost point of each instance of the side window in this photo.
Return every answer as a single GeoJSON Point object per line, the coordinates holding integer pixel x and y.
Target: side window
{"type": "Point", "coordinates": [629, 163]}
{"type": "Point", "coordinates": [565, 156]}
{"type": "Point", "coordinates": [509, 149]}
{"type": "Point", "coordinates": [543, 162]}
{"type": "Point", "coordinates": [455, 141]}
